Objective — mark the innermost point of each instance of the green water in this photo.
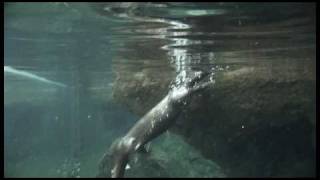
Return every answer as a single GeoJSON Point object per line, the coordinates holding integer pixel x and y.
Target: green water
{"type": "Point", "coordinates": [116, 60]}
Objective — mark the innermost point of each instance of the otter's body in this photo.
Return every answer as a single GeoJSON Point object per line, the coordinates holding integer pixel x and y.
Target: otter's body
{"type": "Point", "coordinates": [151, 125]}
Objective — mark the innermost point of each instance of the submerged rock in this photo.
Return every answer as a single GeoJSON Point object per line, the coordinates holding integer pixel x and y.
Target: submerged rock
{"type": "Point", "coordinates": [170, 156]}
{"type": "Point", "coordinates": [257, 120]}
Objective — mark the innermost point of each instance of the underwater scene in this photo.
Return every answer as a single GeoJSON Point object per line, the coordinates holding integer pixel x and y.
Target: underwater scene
{"type": "Point", "coordinates": [159, 89]}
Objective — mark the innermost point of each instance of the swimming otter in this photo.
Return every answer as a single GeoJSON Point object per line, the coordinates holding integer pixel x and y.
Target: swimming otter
{"type": "Point", "coordinates": [154, 123]}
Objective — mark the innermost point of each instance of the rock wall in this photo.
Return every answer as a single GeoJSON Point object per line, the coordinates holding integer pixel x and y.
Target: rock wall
{"type": "Point", "coordinates": [258, 120]}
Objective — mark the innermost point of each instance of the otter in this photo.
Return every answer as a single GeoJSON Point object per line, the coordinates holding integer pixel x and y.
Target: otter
{"type": "Point", "coordinates": [153, 124]}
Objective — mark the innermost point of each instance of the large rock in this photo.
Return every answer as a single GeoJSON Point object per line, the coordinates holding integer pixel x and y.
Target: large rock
{"type": "Point", "coordinates": [169, 156]}
{"type": "Point", "coordinates": [257, 120]}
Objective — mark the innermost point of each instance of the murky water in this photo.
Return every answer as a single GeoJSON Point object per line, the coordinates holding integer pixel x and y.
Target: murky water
{"type": "Point", "coordinates": [69, 69]}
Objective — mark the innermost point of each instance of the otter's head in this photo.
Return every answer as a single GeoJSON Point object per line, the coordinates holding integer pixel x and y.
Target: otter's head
{"type": "Point", "coordinates": [120, 151]}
